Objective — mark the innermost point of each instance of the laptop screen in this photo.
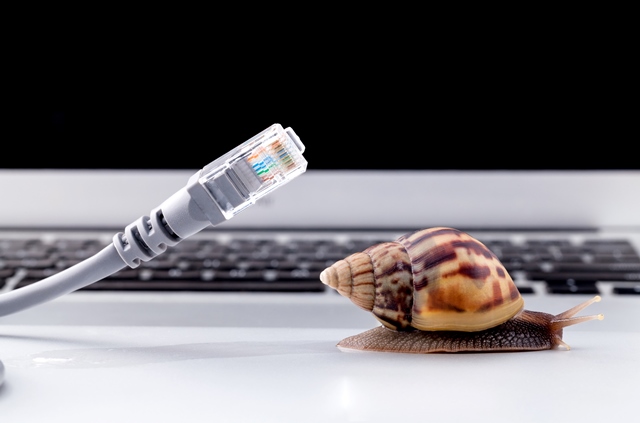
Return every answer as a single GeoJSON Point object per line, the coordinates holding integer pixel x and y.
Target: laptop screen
{"type": "Point", "coordinates": [170, 136]}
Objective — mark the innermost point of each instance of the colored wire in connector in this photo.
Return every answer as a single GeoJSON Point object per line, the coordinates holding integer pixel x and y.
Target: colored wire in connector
{"type": "Point", "coordinates": [273, 159]}
{"type": "Point", "coordinates": [261, 163]}
{"type": "Point", "coordinates": [280, 151]}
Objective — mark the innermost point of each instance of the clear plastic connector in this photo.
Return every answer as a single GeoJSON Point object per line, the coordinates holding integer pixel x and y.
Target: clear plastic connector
{"type": "Point", "coordinates": [250, 171]}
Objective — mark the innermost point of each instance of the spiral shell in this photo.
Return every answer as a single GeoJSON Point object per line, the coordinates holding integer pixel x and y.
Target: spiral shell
{"type": "Point", "coordinates": [435, 279]}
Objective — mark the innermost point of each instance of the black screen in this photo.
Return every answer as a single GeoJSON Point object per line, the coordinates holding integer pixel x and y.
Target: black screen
{"type": "Point", "coordinates": [516, 124]}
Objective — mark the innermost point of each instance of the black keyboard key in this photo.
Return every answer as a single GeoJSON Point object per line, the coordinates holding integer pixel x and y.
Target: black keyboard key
{"type": "Point", "coordinates": [583, 267]}
{"type": "Point", "coordinates": [317, 265]}
{"type": "Point", "coordinates": [23, 254]}
{"type": "Point", "coordinates": [218, 285]}
{"type": "Point", "coordinates": [569, 258]}
{"type": "Point", "coordinates": [240, 274]}
{"type": "Point", "coordinates": [627, 290]}
{"type": "Point", "coordinates": [299, 275]}
{"type": "Point", "coordinates": [615, 258]}
{"type": "Point", "coordinates": [546, 243]}
{"type": "Point", "coordinates": [124, 274]}
{"type": "Point", "coordinates": [189, 246]}
{"type": "Point", "coordinates": [608, 244]}
{"type": "Point", "coordinates": [5, 274]}
{"type": "Point", "coordinates": [583, 276]}
{"type": "Point", "coordinates": [214, 263]}
{"type": "Point", "coordinates": [163, 263]}
{"type": "Point", "coordinates": [29, 263]}
{"type": "Point", "coordinates": [513, 264]}
{"type": "Point", "coordinates": [284, 264]}
{"type": "Point", "coordinates": [572, 287]}
{"type": "Point", "coordinates": [525, 289]}
{"type": "Point", "coordinates": [252, 264]}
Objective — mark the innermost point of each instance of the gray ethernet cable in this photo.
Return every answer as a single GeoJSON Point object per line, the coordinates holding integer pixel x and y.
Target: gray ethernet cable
{"type": "Point", "coordinates": [212, 195]}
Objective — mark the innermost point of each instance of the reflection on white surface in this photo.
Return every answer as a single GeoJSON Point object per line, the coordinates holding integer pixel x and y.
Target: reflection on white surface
{"type": "Point", "coordinates": [135, 356]}
{"type": "Point", "coordinates": [43, 361]}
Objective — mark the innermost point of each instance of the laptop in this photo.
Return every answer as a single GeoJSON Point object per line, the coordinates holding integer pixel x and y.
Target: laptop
{"type": "Point", "coordinates": [236, 325]}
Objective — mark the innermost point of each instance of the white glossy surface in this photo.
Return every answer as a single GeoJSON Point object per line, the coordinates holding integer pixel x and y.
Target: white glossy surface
{"type": "Point", "coordinates": [107, 374]}
{"type": "Point", "coordinates": [234, 371]}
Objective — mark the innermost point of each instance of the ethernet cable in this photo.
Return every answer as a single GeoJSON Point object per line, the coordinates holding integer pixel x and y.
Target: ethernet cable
{"type": "Point", "coordinates": [216, 193]}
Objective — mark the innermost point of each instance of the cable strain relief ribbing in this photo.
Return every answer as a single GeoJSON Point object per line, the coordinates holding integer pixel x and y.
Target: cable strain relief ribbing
{"type": "Point", "coordinates": [144, 239]}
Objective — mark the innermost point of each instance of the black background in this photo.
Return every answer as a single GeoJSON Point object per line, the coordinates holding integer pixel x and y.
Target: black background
{"type": "Point", "coordinates": [501, 109]}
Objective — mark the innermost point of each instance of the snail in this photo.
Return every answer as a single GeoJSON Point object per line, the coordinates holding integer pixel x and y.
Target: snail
{"type": "Point", "coordinates": [441, 290]}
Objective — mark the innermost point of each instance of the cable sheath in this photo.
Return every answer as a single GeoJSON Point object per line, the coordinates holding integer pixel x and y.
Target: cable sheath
{"type": "Point", "coordinates": [97, 267]}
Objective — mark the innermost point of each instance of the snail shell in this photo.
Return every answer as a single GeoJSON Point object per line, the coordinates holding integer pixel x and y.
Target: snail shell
{"type": "Point", "coordinates": [441, 290]}
{"type": "Point", "coordinates": [433, 279]}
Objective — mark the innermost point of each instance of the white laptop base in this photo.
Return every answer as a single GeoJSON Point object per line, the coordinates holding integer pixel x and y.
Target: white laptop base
{"type": "Point", "coordinates": [248, 358]}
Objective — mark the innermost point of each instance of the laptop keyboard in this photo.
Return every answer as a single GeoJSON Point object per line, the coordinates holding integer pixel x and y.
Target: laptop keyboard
{"type": "Point", "coordinates": [551, 266]}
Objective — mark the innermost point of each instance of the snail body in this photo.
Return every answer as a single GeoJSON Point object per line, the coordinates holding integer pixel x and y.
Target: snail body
{"type": "Point", "coordinates": [441, 290]}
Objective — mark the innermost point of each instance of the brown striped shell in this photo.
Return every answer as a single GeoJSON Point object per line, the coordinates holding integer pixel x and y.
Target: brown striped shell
{"type": "Point", "coordinates": [434, 279]}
